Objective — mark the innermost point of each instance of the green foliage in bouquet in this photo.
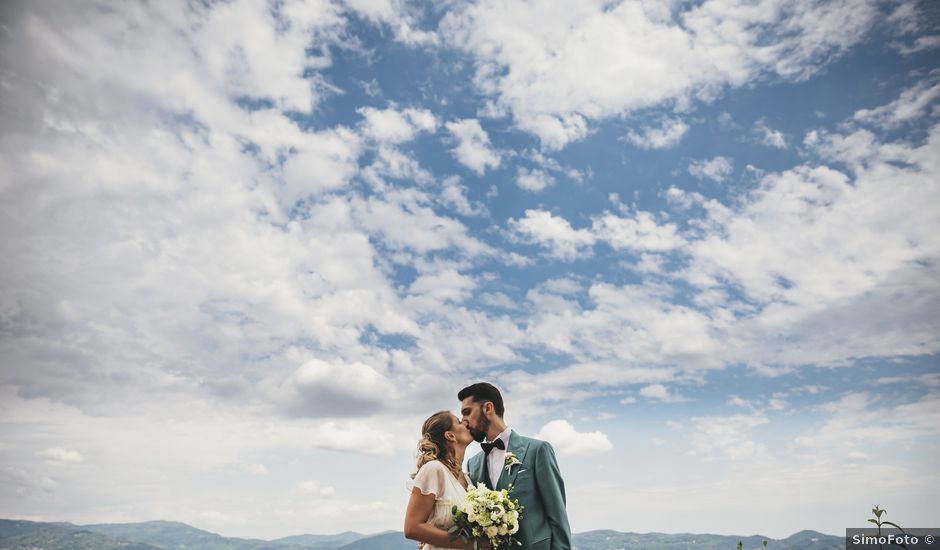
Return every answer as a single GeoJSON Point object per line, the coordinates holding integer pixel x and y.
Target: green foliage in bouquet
{"type": "Point", "coordinates": [489, 515]}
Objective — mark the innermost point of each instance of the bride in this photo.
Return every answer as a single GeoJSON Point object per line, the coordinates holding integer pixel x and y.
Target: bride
{"type": "Point", "coordinates": [439, 483]}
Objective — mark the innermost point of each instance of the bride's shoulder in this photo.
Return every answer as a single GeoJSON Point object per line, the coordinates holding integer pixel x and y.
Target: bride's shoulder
{"type": "Point", "coordinates": [433, 465]}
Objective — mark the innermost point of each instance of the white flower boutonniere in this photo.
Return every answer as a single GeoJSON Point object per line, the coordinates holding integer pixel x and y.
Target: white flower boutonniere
{"type": "Point", "coordinates": [511, 461]}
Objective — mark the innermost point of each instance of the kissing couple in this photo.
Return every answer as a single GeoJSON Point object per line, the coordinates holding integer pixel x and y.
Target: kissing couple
{"type": "Point", "coordinates": [508, 459]}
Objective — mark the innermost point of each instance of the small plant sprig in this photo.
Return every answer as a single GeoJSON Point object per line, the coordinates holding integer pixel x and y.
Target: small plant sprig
{"type": "Point", "coordinates": [877, 521]}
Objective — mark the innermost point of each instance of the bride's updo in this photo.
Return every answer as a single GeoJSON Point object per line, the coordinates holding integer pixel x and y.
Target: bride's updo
{"type": "Point", "coordinates": [433, 444]}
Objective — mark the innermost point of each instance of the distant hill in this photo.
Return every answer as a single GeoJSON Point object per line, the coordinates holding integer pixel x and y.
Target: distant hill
{"type": "Point", "coordinates": [168, 535]}
{"type": "Point", "coordinates": [322, 541]}
{"type": "Point", "coordinates": [393, 540]}
{"type": "Point", "coordinates": [615, 540]}
{"type": "Point", "coordinates": [177, 536]}
{"type": "Point", "coordinates": [29, 535]}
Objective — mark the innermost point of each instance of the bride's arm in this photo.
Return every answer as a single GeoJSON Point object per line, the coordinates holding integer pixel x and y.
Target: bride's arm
{"type": "Point", "coordinates": [417, 526]}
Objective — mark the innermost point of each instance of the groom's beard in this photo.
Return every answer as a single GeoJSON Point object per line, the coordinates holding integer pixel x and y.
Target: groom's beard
{"type": "Point", "coordinates": [480, 434]}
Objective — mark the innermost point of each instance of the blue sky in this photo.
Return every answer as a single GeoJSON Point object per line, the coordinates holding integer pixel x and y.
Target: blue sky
{"type": "Point", "coordinates": [249, 246]}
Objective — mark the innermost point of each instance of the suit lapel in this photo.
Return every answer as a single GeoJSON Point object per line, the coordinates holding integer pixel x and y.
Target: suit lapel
{"type": "Point", "coordinates": [517, 446]}
{"type": "Point", "coordinates": [486, 472]}
{"type": "Point", "coordinates": [478, 472]}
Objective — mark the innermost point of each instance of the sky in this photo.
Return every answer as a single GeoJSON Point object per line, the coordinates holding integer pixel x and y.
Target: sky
{"type": "Point", "coordinates": [249, 246]}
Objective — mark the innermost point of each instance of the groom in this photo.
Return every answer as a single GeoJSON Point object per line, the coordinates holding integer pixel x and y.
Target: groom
{"type": "Point", "coordinates": [536, 481]}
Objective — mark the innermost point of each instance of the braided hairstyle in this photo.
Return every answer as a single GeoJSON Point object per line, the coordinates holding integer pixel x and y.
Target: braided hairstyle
{"type": "Point", "coordinates": [433, 444]}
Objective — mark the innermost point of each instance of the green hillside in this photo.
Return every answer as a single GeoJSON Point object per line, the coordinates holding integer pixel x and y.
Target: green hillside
{"type": "Point", "coordinates": [322, 541]}
{"type": "Point", "coordinates": [394, 540]}
{"type": "Point", "coordinates": [177, 536]}
{"type": "Point", "coordinates": [28, 535]}
{"type": "Point", "coordinates": [615, 540]}
{"type": "Point", "coordinates": [168, 535]}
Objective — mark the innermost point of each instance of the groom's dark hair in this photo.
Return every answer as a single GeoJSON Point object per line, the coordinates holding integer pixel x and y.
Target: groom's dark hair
{"type": "Point", "coordinates": [482, 392]}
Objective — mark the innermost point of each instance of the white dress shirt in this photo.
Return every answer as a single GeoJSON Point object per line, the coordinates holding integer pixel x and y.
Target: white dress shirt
{"type": "Point", "coordinates": [496, 460]}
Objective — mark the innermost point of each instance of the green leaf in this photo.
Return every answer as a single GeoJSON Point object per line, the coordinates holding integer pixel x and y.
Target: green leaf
{"type": "Point", "coordinates": [892, 524]}
{"type": "Point", "coordinates": [873, 521]}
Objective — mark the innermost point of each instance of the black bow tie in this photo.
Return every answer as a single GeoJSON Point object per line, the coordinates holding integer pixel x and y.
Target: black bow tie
{"type": "Point", "coordinates": [498, 444]}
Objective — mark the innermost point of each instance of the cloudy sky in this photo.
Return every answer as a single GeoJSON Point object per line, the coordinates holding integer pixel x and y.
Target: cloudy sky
{"type": "Point", "coordinates": [248, 246]}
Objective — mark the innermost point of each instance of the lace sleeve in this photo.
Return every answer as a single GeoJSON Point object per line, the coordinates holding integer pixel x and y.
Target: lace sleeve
{"type": "Point", "coordinates": [430, 479]}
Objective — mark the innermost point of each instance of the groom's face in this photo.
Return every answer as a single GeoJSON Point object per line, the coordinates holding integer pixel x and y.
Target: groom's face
{"type": "Point", "coordinates": [474, 418]}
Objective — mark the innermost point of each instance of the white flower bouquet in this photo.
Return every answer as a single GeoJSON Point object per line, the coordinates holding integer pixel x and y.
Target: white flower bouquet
{"type": "Point", "coordinates": [487, 514]}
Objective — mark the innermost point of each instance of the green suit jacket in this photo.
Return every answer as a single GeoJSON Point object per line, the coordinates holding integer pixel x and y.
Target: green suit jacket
{"type": "Point", "coordinates": [538, 485]}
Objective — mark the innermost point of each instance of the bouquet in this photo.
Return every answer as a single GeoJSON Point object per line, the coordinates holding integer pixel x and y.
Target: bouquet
{"type": "Point", "coordinates": [487, 514]}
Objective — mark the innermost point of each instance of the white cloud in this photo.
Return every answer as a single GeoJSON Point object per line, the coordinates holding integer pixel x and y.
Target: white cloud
{"type": "Point", "coordinates": [257, 469]}
{"type": "Point", "coordinates": [394, 126]}
{"type": "Point", "coordinates": [554, 65]}
{"type": "Point", "coordinates": [563, 285]}
{"type": "Point", "coordinates": [717, 169]}
{"type": "Point", "coordinates": [555, 131]}
{"type": "Point", "coordinates": [498, 299]}
{"type": "Point", "coordinates": [922, 43]}
{"type": "Point", "coordinates": [319, 388]}
{"type": "Point", "coordinates": [737, 401]}
{"type": "Point", "coordinates": [397, 15]}
{"type": "Point", "coordinates": [550, 164]}
{"type": "Point", "coordinates": [929, 380]}
{"type": "Point", "coordinates": [668, 134]}
{"type": "Point", "coordinates": [406, 220]}
{"type": "Point", "coordinates": [316, 488]}
{"type": "Point", "coordinates": [683, 199]}
{"type": "Point", "coordinates": [660, 392]}
{"type": "Point", "coordinates": [568, 441]}
{"type": "Point", "coordinates": [651, 263]}
{"type": "Point", "coordinates": [858, 456]}
{"type": "Point", "coordinates": [857, 422]}
{"type": "Point", "coordinates": [555, 382]}
{"type": "Point", "coordinates": [555, 233]}
{"type": "Point", "coordinates": [58, 456]}
{"type": "Point", "coordinates": [631, 325]}
{"type": "Point", "coordinates": [443, 285]}
{"type": "Point", "coordinates": [819, 250]}
{"type": "Point", "coordinates": [454, 195]}
{"type": "Point", "coordinates": [473, 145]}
{"type": "Point", "coordinates": [530, 393]}
{"type": "Point", "coordinates": [533, 180]}
{"type": "Point", "coordinates": [353, 436]}
{"type": "Point", "coordinates": [913, 104]}
{"type": "Point", "coordinates": [726, 437]}
{"type": "Point", "coordinates": [906, 17]}
{"type": "Point", "coordinates": [171, 195]}
{"type": "Point", "coordinates": [768, 136]}
{"type": "Point", "coordinates": [319, 162]}
{"type": "Point", "coordinates": [640, 232]}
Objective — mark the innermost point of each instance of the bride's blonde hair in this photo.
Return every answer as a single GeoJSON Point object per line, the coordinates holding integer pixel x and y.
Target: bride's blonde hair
{"type": "Point", "coordinates": [433, 444]}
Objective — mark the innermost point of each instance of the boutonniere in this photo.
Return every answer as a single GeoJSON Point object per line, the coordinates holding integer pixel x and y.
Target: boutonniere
{"type": "Point", "coordinates": [511, 461]}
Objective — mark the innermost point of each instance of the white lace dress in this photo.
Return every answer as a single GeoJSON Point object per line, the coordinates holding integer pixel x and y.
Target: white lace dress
{"type": "Point", "coordinates": [434, 478]}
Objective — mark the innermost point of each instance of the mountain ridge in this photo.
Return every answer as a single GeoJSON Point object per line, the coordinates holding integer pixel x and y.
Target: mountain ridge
{"type": "Point", "coordinates": [174, 535]}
